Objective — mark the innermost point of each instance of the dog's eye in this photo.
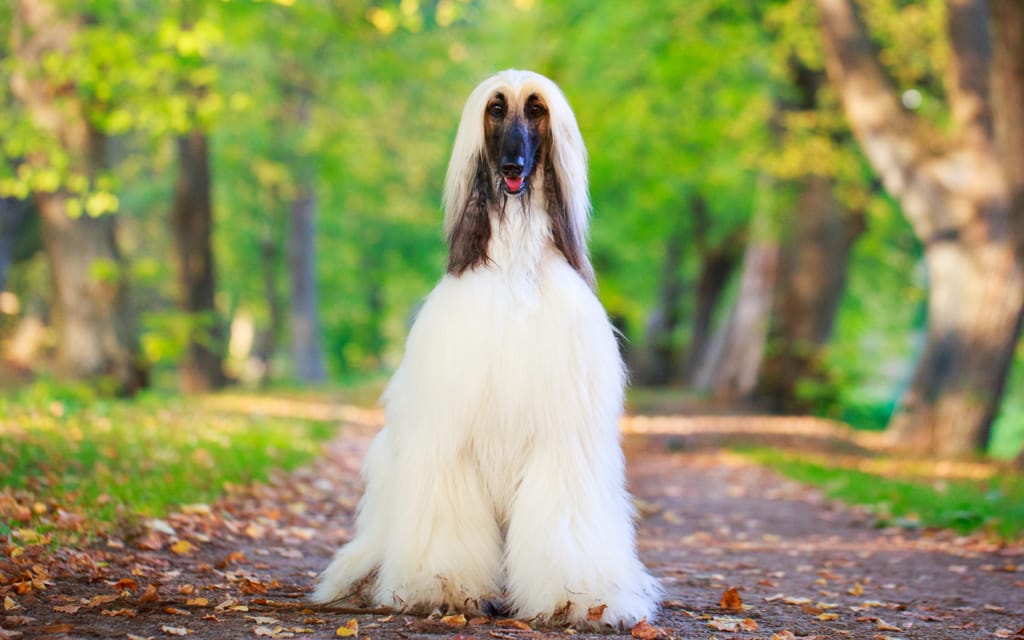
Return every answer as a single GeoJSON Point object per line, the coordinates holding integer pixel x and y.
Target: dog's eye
{"type": "Point", "coordinates": [536, 110]}
{"type": "Point", "coordinates": [497, 109]}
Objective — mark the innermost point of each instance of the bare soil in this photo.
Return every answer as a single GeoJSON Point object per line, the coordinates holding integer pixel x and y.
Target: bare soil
{"type": "Point", "coordinates": [803, 567]}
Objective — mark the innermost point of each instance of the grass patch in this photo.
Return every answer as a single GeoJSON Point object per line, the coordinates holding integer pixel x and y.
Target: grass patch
{"type": "Point", "coordinates": [110, 461]}
{"type": "Point", "coordinates": [993, 504]}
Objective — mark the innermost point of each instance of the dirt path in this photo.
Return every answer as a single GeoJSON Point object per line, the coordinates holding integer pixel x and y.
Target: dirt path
{"type": "Point", "coordinates": [802, 566]}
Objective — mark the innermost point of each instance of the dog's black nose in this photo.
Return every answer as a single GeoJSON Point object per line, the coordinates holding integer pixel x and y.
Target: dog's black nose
{"type": "Point", "coordinates": [513, 169]}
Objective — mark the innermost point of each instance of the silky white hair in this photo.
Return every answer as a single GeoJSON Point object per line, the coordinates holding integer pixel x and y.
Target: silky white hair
{"type": "Point", "coordinates": [499, 481]}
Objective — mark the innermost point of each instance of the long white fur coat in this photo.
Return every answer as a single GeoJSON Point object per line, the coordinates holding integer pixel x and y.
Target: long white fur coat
{"type": "Point", "coordinates": [499, 476]}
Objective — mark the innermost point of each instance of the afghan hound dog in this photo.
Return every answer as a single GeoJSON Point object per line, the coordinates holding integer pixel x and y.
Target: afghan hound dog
{"type": "Point", "coordinates": [499, 482]}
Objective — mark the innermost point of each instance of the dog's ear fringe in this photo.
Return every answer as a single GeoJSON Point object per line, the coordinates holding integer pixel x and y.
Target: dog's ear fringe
{"type": "Point", "coordinates": [564, 230]}
{"type": "Point", "coordinates": [470, 231]}
{"type": "Point", "coordinates": [568, 162]}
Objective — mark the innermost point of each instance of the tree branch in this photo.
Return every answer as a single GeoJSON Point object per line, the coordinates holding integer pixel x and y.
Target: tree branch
{"type": "Point", "coordinates": [888, 135]}
{"type": "Point", "coordinates": [967, 77]}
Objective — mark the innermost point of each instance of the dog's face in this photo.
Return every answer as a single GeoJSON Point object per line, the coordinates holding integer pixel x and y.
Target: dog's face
{"type": "Point", "coordinates": [516, 130]}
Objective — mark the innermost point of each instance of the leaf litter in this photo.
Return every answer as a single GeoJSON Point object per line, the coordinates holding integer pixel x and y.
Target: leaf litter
{"type": "Point", "coordinates": [807, 568]}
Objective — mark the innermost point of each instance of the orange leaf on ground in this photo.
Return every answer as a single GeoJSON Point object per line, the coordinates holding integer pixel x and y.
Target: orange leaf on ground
{"type": "Point", "coordinates": [731, 600]}
{"type": "Point", "coordinates": [785, 634]}
{"type": "Point", "coordinates": [350, 629]}
{"type": "Point", "coordinates": [96, 601]}
{"type": "Point", "coordinates": [595, 613]}
{"type": "Point", "coordinates": [512, 623]}
{"type": "Point", "coordinates": [233, 557]}
{"type": "Point", "coordinates": [454, 621]}
{"type": "Point", "coordinates": [67, 608]}
{"type": "Point", "coordinates": [126, 583]}
{"type": "Point", "coordinates": [645, 631]}
{"type": "Point", "coordinates": [726, 623]}
{"type": "Point", "coordinates": [885, 626]}
{"type": "Point", "coordinates": [10, 604]}
{"type": "Point", "coordinates": [149, 595]}
{"type": "Point", "coordinates": [197, 602]}
{"type": "Point", "coordinates": [183, 547]}
{"type": "Point", "coordinates": [114, 613]}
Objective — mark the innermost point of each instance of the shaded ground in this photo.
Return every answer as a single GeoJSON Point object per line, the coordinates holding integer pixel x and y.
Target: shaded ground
{"type": "Point", "coordinates": [803, 567]}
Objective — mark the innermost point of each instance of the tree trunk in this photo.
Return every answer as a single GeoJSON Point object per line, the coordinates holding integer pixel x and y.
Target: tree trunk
{"type": "Point", "coordinates": [729, 371]}
{"type": "Point", "coordinates": [94, 321]}
{"type": "Point", "coordinates": [659, 363]}
{"type": "Point", "coordinates": [307, 353]}
{"type": "Point", "coordinates": [1008, 111]}
{"type": "Point", "coordinates": [13, 214]}
{"type": "Point", "coordinates": [812, 278]}
{"type": "Point", "coordinates": [955, 196]}
{"type": "Point", "coordinates": [975, 297]}
{"type": "Point", "coordinates": [717, 265]}
{"type": "Point", "coordinates": [269, 253]}
{"type": "Point", "coordinates": [192, 224]}
{"type": "Point", "coordinates": [1008, 102]}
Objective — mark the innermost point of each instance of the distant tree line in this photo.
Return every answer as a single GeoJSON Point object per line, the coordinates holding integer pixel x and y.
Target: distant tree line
{"type": "Point", "coordinates": [208, 181]}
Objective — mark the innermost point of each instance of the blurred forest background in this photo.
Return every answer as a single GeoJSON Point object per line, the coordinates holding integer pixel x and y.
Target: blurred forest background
{"type": "Point", "coordinates": [798, 207]}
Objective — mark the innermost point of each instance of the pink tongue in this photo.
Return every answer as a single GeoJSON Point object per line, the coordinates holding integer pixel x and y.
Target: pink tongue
{"type": "Point", "coordinates": [513, 184]}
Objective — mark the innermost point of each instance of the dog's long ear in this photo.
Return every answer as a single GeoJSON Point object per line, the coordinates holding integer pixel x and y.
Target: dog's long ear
{"type": "Point", "coordinates": [470, 228]}
{"type": "Point", "coordinates": [565, 184]}
{"type": "Point", "coordinates": [467, 186]}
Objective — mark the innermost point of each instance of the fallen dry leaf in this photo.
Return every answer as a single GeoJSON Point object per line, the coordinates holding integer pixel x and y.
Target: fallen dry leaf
{"type": "Point", "coordinates": [97, 601]}
{"type": "Point", "coordinates": [273, 632]}
{"type": "Point", "coordinates": [263, 620]}
{"type": "Point", "coordinates": [251, 587]}
{"type": "Point", "coordinates": [132, 636]}
{"type": "Point", "coordinates": [197, 602]}
{"type": "Point", "coordinates": [454, 621]}
{"type": "Point", "coordinates": [150, 594]}
{"type": "Point", "coordinates": [731, 600]}
{"type": "Point", "coordinates": [174, 631]}
{"type": "Point", "coordinates": [67, 608]}
{"type": "Point", "coordinates": [726, 623]}
{"type": "Point", "coordinates": [512, 623]}
{"type": "Point", "coordinates": [595, 613]}
{"type": "Point", "coordinates": [183, 547]}
{"type": "Point", "coordinates": [645, 631]}
{"type": "Point", "coordinates": [10, 604]}
{"type": "Point", "coordinates": [824, 617]}
{"type": "Point", "coordinates": [174, 611]}
{"type": "Point", "coordinates": [882, 625]}
{"type": "Point", "coordinates": [856, 590]}
{"type": "Point", "coordinates": [350, 629]}
{"type": "Point", "coordinates": [785, 634]}
{"type": "Point", "coordinates": [114, 613]}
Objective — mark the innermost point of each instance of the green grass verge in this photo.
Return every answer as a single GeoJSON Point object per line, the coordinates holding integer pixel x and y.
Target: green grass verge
{"type": "Point", "coordinates": [994, 504]}
{"type": "Point", "coordinates": [112, 460]}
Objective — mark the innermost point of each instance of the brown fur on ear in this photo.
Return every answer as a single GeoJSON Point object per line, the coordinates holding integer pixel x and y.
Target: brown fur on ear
{"type": "Point", "coordinates": [563, 228]}
{"type": "Point", "coordinates": [467, 240]}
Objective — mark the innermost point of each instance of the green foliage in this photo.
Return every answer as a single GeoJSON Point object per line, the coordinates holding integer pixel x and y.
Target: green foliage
{"type": "Point", "coordinates": [356, 103]}
{"type": "Point", "coordinates": [994, 504]}
{"type": "Point", "coordinates": [64, 448]}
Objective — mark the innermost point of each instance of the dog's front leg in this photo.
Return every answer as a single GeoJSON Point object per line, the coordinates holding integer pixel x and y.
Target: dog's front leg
{"type": "Point", "coordinates": [444, 546]}
{"type": "Point", "coordinates": [570, 544]}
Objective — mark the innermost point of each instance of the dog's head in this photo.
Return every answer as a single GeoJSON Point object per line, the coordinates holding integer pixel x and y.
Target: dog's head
{"type": "Point", "coordinates": [517, 140]}
{"type": "Point", "coordinates": [515, 131]}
